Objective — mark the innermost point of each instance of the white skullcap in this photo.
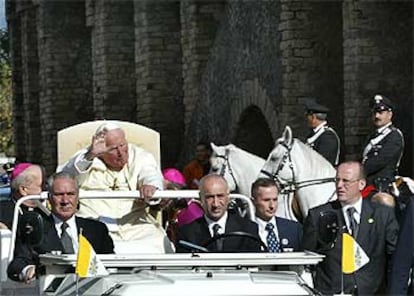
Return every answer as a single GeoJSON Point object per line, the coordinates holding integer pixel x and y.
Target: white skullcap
{"type": "Point", "coordinates": [107, 126]}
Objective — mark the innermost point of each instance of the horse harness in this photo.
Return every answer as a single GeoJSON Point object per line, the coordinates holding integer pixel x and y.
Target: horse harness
{"type": "Point", "coordinates": [292, 186]}
{"type": "Point", "coordinates": [226, 165]}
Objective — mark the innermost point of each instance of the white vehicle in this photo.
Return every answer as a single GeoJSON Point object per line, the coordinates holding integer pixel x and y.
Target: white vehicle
{"type": "Point", "coordinates": [175, 274]}
{"type": "Point", "coordinates": [160, 274]}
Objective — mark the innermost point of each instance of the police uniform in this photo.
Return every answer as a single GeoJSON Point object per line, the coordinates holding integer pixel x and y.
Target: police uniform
{"type": "Point", "coordinates": [323, 138]}
{"type": "Point", "coordinates": [383, 150]}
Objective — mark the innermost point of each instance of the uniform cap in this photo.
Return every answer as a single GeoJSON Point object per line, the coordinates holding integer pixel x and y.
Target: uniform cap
{"type": "Point", "coordinates": [312, 106]}
{"type": "Point", "coordinates": [381, 103]}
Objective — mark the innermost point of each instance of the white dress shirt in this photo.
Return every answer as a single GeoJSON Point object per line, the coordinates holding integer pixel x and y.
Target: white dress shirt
{"type": "Point", "coordinates": [72, 230]}
{"type": "Point", "coordinates": [357, 213]}
{"type": "Point", "coordinates": [222, 222]}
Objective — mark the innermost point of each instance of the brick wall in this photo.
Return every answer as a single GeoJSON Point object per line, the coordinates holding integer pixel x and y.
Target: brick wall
{"type": "Point", "coordinates": [158, 64]}
{"type": "Point", "coordinates": [112, 48]}
{"type": "Point", "coordinates": [378, 58]}
{"type": "Point", "coordinates": [207, 70]}
{"type": "Point", "coordinates": [64, 71]}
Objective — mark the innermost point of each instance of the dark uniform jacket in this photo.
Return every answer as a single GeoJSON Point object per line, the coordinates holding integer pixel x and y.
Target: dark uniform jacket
{"type": "Point", "coordinates": [197, 232]}
{"type": "Point", "coordinates": [377, 236]}
{"type": "Point", "coordinates": [327, 144]}
{"type": "Point", "coordinates": [403, 259]}
{"type": "Point", "coordinates": [382, 160]}
{"type": "Point", "coordinates": [24, 254]}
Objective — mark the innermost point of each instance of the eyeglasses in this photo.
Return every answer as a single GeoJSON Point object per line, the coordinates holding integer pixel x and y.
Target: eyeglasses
{"type": "Point", "coordinates": [346, 182]}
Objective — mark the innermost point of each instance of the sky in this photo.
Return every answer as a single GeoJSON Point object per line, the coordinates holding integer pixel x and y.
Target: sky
{"type": "Point", "coordinates": [2, 15]}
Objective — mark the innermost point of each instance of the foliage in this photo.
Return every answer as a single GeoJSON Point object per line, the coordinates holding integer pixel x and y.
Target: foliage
{"type": "Point", "coordinates": [6, 116]}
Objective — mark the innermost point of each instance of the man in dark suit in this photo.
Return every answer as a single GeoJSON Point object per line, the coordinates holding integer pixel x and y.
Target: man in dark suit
{"type": "Point", "coordinates": [403, 258]}
{"type": "Point", "coordinates": [372, 225]}
{"type": "Point", "coordinates": [214, 195]}
{"type": "Point", "coordinates": [322, 138]}
{"type": "Point", "coordinates": [383, 151]}
{"type": "Point", "coordinates": [279, 234]}
{"type": "Point", "coordinates": [60, 231]}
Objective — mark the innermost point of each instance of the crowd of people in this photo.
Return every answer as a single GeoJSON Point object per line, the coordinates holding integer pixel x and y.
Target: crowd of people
{"type": "Point", "coordinates": [110, 163]}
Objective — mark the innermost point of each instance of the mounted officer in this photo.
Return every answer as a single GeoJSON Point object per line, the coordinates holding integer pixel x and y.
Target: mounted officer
{"type": "Point", "coordinates": [322, 138]}
{"type": "Point", "coordinates": [384, 149]}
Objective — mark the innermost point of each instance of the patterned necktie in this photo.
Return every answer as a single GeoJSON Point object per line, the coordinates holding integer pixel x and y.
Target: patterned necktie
{"type": "Point", "coordinates": [66, 240]}
{"type": "Point", "coordinates": [219, 242]}
{"type": "Point", "coordinates": [272, 243]}
{"type": "Point", "coordinates": [353, 224]}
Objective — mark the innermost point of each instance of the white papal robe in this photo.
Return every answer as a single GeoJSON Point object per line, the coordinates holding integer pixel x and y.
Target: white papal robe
{"type": "Point", "coordinates": [131, 227]}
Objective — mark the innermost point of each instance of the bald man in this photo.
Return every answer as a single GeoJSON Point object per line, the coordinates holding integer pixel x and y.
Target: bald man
{"type": "Point", "coordinates": [214, 195]}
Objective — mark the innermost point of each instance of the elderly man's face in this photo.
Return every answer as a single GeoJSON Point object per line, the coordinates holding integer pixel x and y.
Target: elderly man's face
{"type": "Point", "coordinates": [33, 187]}
{"type": "Point", "coordinates": [214, 197]}
{"type": "Point", "coordinates": [117, 156]}
{"type": "Point", "coordinates": [64, 198]}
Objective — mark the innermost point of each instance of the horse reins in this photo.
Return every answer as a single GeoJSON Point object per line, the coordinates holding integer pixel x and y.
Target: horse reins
{"type": "Point", "coordinates": [225, 165]}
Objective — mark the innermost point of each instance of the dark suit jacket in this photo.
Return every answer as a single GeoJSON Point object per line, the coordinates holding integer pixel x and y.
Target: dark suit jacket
{"type": "Point", "coordinates": [197, 232]}
{"type": "Point", "coordinates": [327, 145]}
{"type": "Point", "coordinates": [24, 254]}
{"type": "Point", "coordinates": [403, 258]}
{"type": "Point", "coordinates": [381, 161]}
{"type": "Point", "coordinates": [377, 235]}
{"type": "Point", "coordinates": [290, 234]}
{"type": "Point", "coordinates": [6, 212]}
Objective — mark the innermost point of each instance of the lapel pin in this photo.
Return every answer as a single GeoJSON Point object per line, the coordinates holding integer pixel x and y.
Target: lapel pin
{"type": "Point", "coordinates": [370, 220]}
{"type": "Point", "coordinates": [285, 241]}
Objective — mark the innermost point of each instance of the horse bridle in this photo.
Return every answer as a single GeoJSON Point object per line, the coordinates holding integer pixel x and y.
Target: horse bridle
{"type": "Point", "coordinates": [291, 186]}
{"type": "Point", "coordinates": [227, 165]}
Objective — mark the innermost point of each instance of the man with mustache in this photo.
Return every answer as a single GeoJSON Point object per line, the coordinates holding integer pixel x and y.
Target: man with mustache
{"type": "Point", "coordinates": [382, 154]}
{"type": "Point", "coordinates": [60, 231]}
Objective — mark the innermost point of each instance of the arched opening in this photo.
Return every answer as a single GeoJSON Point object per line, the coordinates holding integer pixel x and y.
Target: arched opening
{"type": "Point", "coordinates": [253, 133]}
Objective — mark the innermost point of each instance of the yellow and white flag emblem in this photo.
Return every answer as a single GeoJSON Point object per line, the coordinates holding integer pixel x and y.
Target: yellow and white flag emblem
{"type": "Point", "coordinates": [88, 264]}
{"type": "Point", "coordinates": [353, 256]}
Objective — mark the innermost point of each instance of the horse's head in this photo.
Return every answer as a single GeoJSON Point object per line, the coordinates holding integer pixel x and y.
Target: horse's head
{"type": "Point", "coordinates": [278, 158]}
{"type": "Point", "coordinates": [220, 163]}
{"type": "Point", "coordinates": [278, 161]}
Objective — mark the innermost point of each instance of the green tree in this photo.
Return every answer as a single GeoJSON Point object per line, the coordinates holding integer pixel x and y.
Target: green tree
{"type": "Point", "coordinates": [6, 116]}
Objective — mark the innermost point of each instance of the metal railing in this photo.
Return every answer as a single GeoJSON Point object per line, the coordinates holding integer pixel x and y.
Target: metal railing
{"type": "Point", "coordinates": [133, 194]}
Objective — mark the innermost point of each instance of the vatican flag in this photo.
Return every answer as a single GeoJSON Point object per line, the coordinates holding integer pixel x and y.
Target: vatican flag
{"type": "Point", "coordinates": [353, 256]}
{"type": "Point", "coordinates": [88, 264]}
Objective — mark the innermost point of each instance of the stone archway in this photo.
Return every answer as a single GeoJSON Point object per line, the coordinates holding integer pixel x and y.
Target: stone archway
{"type": "Point", "coordinates": [253, 119]}
{"type": "Point", "coordinates": [253, 133]}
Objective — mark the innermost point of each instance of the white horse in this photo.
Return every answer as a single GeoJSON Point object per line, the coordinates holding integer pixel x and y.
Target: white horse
{"type": "Point", "coordinates": [300, 169]}
{"type": "Point", "coordinates": [240, 169]}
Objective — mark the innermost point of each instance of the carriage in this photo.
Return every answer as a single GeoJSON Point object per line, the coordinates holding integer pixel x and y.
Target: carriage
{"type": "Point", "coordinates": [157, 274]}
